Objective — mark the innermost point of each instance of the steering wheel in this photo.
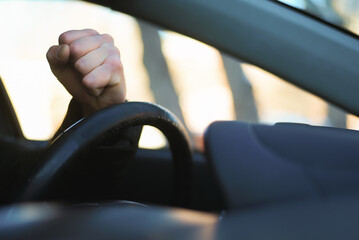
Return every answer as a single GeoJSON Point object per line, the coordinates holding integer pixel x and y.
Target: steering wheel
{"type": "Point", "coordinates": [106, 123]}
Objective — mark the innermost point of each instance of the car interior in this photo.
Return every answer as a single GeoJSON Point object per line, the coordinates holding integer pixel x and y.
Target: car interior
{"type": "Point", "coordinates": [253, 181]}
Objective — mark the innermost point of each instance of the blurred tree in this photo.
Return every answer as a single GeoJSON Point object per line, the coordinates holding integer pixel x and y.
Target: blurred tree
{"type": "Point", "coordinates": [325, 9]}
{"type": "Point", "coordinates": [350, 6]}
{"type": "Point", "coordinates": [243, 99]}
{"type": "Point", "coordinates": [160, 80]}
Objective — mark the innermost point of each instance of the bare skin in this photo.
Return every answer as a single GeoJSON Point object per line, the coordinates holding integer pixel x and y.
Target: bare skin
{"type": "Point", "coordinates": [89, 66]}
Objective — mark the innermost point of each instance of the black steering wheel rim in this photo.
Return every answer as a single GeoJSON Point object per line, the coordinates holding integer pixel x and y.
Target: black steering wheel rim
{"type": "Point", "coordinates": [106, 122]}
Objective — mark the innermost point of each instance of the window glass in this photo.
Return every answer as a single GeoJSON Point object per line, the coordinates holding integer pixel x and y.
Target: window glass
{"type": "Point", "coordinates": [195, 81]}
{"type": "Point", "coordinates": [343, 13]}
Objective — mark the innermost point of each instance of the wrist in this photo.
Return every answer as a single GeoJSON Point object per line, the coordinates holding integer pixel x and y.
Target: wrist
{"type": "Point", "coordinates": [89, 109]}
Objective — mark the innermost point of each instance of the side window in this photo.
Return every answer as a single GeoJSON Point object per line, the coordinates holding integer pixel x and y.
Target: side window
{"type": "Point", "coordinates": [195, 81]}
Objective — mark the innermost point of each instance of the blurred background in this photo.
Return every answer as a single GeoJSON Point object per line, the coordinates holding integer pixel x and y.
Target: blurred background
{"type": "Point", "coordinates": [195, 81]}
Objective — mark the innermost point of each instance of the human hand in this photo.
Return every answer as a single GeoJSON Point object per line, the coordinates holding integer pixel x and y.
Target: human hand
{"type": "Point", "coordinates": [89, 66]}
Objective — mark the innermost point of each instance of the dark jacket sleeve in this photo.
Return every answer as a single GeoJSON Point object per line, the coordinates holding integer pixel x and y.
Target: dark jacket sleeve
{"type": "Point", "coordinates": [100, 168]}
{"type": "Point", "coordinates": [99, 171]}
{"type": "Point", "coordinates": [74, 114]}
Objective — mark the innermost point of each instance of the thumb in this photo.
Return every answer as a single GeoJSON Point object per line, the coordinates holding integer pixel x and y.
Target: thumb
{"type": "Point", "coordinates": [58, 55]}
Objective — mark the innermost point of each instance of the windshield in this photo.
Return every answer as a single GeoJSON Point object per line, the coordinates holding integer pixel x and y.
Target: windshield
{"type": "Point", "coordinates": [343, 13]}
{"type": "Point", "coordinates": [195, 81]}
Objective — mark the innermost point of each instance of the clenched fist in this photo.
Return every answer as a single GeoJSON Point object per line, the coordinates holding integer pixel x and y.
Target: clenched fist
{"type": "Point", "coordinates": [89, 66]}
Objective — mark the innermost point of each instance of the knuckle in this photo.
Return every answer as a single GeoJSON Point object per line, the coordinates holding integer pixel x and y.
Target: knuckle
{"type": "Point", "coordinates": [64, 38]}
{"type": "Point", "coordinates": [115, 51]}
{"type": "Point", "coordinates": [80, 65]}
{"type": "Point", "coordinates": [119, 66]}
{"type": "Point", "coordinates": [48, 53]}
{"type": "Point", "coordinates": [115, 62]}
{"type": "Point", "coordinates": [90, 31]}
{"type": "Point", "coordinates": [103, 78]}
{"type": "Point", "coordinates": [76, 50]}
{"type": "Point", "coordinates": [88, 81]}
{"type": "Point", "coordinates": [95, 92]}
{"type": "Point", "coordinates": [97, 80]}
{"type": "Point", "coordinates": [107, 38]}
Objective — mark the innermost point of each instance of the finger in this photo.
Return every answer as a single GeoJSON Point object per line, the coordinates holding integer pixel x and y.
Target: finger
{"type": "Point", "coordinates": [98, 78]}
{"type": "Point", "coordinates": [95, 91]}
{"type": "Point", "coordinates": [91, 60]}
{"type": "Point", "coordinates": [114, 61]}
{"type": "Point", "coordinates": [63, 53]}
{"type": "Point", "coordinates": [72, 35]}
{"type": "Point", "coordinates": [118, 91]}
{"type": "Point", "coordinates": [109, 73]}
{"type": "Point", "coordinates": [115, 87]}
{"type": "Point", "coordinates": [102, 77]}
{"type": "Point", "coordinates": [83, 46]}
{"type": "Point", "coordinates": [58, 54]}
